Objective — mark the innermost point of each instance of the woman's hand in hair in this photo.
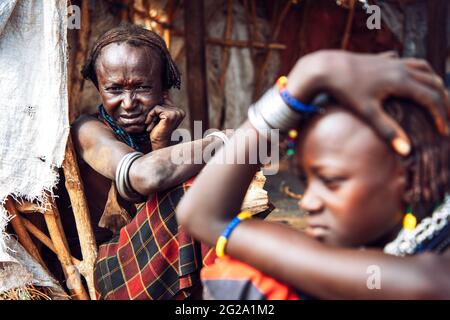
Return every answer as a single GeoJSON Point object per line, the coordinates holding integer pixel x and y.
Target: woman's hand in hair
{"type": "Point", "coordinates": [362, 82]}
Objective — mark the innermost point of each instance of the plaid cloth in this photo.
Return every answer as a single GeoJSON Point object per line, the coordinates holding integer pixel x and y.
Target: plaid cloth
{"type": "Point", "coordinates": [152, 258]}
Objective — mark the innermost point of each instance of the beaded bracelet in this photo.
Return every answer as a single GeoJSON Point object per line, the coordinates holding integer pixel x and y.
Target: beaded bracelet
{"type": "Point", "coordinates": [222, 241]}
{"type": "Point", "coordinates": [290, 100]}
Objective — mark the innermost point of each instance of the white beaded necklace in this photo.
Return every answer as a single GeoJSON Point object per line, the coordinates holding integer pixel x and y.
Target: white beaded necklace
{"type": "Point", "coordinates": [407, 242]}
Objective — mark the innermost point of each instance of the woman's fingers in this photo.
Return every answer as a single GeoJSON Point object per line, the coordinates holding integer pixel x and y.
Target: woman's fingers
{"type": "Point", "coordinates": [430, 79]}
{"type": "Point", "coordinates": [435, 101]}
{"type": "Point", "coordinates": [436, 83]}
{"type": "Point", "coordinates": [152, 125]}
{"type": "Point", "coordinates": [421, 71]}
{"type": "Point", "coordinates": [419, 64]}
{"type": "Point", "coordinates": [389, 129]}
{"type": "Point", "coordinates": [152, 118]}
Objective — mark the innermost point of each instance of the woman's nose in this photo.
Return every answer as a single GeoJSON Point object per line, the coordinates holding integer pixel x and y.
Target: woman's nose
{"type": "Point", "coordinates": [128, 101]}
{"type": "Point", "coordinates": [310, 202]}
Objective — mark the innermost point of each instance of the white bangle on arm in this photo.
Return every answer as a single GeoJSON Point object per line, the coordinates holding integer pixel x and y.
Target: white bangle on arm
{"type": "Point", "coordinates": [219, 134]}
{"type": "Point", "coordinates": [123, 183]}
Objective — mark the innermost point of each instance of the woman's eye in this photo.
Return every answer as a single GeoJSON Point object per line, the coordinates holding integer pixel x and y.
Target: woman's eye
{"type": "Point", "coordinates": [114, 89]}
{"type": "Point", "coordinates": [144, 88]}
{"type": "Point", "coordinates": [332, 182]}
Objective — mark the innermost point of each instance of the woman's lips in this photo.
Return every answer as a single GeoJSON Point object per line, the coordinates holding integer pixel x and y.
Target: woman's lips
{"type": "Point", "coordinates": [131, 121]}
{"type": "Point", "coordinates": [316, 231]}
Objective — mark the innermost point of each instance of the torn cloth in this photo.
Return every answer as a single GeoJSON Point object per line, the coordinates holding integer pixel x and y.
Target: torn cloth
{"type": "Point", "coordinates": [34, 122]}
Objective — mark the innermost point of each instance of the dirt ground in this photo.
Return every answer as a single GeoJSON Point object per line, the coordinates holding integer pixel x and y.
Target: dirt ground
{"type": "Point", "coordinates": [286, 208]}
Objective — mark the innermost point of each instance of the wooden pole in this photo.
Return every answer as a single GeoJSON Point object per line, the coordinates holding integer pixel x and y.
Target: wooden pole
{"type": "Point", "coordinates": [22, 234]}
{"type": "Point", "coordinates": [209, 18]}
{"type": "Point", "coordinates": [80, 209]}
{"type": "Point", "coordinates": [74, 283]}
{"type": "Point", "coordinates": [42, 237]}
{"type": "Point", "coordinates": [76, 79]}
{"type": "Point", "coordinates": [233, 43]}
{"type": "Point", "coordinates": [72, 175]}
{"type": "Point", "coordinates": [436, 39]}
{"type": "Point", "coordinates": [228, 31]}
{"type": "Point", "coordinates": [279, 19]}
{"type": "Point", "coordinates": [348, 26]}
{"type": "Point", "coordinates": [194, 26]}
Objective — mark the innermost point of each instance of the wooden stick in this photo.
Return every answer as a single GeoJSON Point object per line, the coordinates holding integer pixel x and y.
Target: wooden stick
{"type": "Point", "coordinates": [70, 272]}
{"type": "Point", "coordinates": [28, 207]}
{"type": "Point", "coordinates": [22, 233]}
{"type": "Point", "coordinates": [194, 26]}
{"type": "Point", "coordinates": [41, 236]}
{"type": "Point", "coordinates": [211, 16]}
{"type": "Point", "coordinates": [248, 5]}
{"type": "Point", "coordinates": [267, 58]}
{"type": "Point", "coordinates": [228, 30]}
{"type": "Point", "coordinates": [348, 26]}
{"type": "Point", "coordinates": [246, 44]}
{"type": "Point", "coordinates": [237, 43]}
{"type": "Point", "coordinates": [74, 184]}
{"type": "Point", "coordinates": [170, 11]}
{"type": "Point", "coordinates": [82, 216]}
{"type": "Point", "coordinates": [75, 77]}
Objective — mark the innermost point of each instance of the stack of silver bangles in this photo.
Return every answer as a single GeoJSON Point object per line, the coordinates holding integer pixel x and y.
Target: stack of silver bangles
{"type": "Point", "coordinates": [123, 178]}
{"type": "Point", "coordinates": [271, 112]}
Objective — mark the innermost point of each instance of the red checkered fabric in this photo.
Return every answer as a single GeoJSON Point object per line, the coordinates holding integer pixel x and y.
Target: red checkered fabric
{"type": "Point", "coordinates": [152, 257]}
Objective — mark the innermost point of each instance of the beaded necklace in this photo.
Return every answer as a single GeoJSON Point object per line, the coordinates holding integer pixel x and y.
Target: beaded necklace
{"type": "Point", "coordinates": [132, 140]}
{"type": "Point", "coordinates": [431, 234]}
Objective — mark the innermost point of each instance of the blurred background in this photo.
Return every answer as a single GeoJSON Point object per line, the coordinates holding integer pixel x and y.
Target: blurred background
{"type": "Point", "coordinates": [231, 51]}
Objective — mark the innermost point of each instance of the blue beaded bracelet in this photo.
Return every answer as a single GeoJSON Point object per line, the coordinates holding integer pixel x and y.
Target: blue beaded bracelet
{"type": "Point", "coordinates": [290, 100]}
{"type": "Point", "coordinates": [223, 239]}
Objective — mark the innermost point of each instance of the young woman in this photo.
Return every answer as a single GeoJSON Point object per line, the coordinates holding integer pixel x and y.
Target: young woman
{"type": "Point", "coordinates": [358, 191]}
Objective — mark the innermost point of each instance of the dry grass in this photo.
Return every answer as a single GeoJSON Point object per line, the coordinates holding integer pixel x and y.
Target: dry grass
{"type": "Point", "coordinates": [31, 293]}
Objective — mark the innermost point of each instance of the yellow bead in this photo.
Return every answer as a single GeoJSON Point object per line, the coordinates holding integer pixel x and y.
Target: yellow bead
{"type": "Point", "coordinates": [293, 134]}
{"type": "Point", "coordinates": [283, 80]}
{"type": "Point", "coordinates": [220, 246]}
{"type": "Point", "coordinates": [244, 215]}
{"type": "Point", "coordinates": [409, 222]}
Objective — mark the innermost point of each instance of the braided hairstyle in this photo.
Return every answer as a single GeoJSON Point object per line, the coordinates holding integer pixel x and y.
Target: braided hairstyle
{"type": "Point", "coordinates": [135, 36]}
{"type": "Point", "coordinates": [428, 165]}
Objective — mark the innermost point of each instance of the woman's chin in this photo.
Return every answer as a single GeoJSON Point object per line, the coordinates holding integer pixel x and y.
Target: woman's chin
{"type": "Point", "coordinates": [135, 129]}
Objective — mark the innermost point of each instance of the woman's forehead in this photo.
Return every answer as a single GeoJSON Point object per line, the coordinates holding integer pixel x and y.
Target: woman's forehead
{"type": "Point", "coordinates": [120, 57]}
{"type": "Point", "coordinates": [341, 137]}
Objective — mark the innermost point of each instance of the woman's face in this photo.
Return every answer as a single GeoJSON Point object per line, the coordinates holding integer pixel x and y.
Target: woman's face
{"type": "Point", "coordinates": [130, 83]}
{"type": "Point", "coordinates": [355, 184]}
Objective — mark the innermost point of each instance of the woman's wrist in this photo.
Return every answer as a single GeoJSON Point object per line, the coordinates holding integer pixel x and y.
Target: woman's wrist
{"type": "Point", "coordinates": [309, 76]}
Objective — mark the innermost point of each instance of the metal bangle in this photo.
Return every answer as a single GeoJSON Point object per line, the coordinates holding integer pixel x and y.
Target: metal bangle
{"type": "Point", "coordinates": [271, 112]}
{"type": "Point", "coordinates": [123, 183]}
{"type": "Point", "coordinates": [222, 136]}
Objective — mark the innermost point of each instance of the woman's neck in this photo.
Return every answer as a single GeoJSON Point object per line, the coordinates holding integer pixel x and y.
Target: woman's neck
{"type": "Point", "coordinates": [386, 238]}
